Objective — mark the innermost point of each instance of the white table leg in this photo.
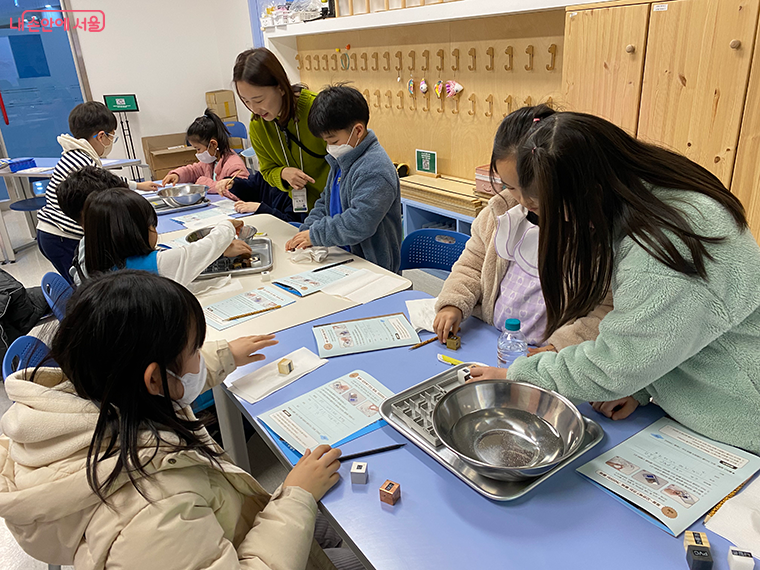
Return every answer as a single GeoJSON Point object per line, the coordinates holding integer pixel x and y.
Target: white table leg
{"type": "Point", "coordinates": [231, 427]}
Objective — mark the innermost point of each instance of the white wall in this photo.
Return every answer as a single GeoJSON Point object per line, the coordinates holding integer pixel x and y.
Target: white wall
{"type": "Point", "coordinates": [167, 52]}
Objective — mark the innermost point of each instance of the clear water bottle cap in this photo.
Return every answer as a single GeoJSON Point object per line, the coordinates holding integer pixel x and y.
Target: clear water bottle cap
{"type": "Point", "coordinates": [512, 325]}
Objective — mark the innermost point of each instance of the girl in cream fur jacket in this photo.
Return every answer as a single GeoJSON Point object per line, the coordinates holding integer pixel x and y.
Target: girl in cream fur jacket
{"type": "Point", "coordinates": [104, 466]}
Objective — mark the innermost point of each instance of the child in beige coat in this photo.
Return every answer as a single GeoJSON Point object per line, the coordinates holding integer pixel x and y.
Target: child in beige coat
{"type": "Point", "coordinates": [104, 466]}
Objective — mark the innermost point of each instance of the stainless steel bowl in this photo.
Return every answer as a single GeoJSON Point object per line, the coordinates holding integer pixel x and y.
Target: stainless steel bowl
{"type": "Point", "coordinates": [182, 194]}
{"type": "Point", "coordinates": [508, 430]}
{"type": "Point", "coordinates": [247, 233]}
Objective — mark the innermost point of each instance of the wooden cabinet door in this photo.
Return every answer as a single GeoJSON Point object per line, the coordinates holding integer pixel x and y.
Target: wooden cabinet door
{"type": "Point", "coordinates": [746, 182]}
{"type": "Point", "coordinates": [695, 78]}
{"type": "Point", "coordinates": [604, 61]}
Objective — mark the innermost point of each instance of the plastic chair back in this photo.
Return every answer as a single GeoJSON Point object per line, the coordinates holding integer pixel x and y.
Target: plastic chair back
{"type": "Point", "coordinates": [432, 249]}
{"type": "Point", "coordinates": [24, 352]}
{"type": "Point", "coordinates": [57, 292]}
{"type": "Point", "coordinates": [237, 130]}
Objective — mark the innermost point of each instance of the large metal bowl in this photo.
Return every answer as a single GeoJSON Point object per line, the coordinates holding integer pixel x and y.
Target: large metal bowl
{"type": "Point", "coordinates": [182, 194]}
{"type": "Point", "coordinates": [508, 430]}
{"type": "Point", "coordinates": [247, 233]}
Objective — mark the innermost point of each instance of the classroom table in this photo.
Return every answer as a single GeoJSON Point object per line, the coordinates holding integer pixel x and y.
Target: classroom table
{"type": "Point", "coordinates": [303, 310]}
{"type": "Point", "coordinates": [440, 523]}
{"type": "Point", "coordinates": [20, 188]}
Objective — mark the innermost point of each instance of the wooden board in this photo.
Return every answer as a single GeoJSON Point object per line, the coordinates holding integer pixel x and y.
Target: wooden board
{"type": "Point", "coordinates": [695, 82]}
{"type": "Point", "coordinates": [746, 180]}
{"type": "Point", "coordinates": [463, 140]}
{"type": "Point", "coordinates": [599, 75]}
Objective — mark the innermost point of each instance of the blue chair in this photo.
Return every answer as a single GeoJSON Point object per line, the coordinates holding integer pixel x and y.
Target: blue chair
{"type": "Point", "coordinates": [432, 249]}
{"type": "Point", "coordinates": [296, 225]}
{"type": "Point", "coordinates": [205, 400]}
{"type": "Point", "coordinates": [57, 292]}
{"type": "Point", "coordinates": [24, 352]}
{"type": "Point", "coordinates": [237, 130]}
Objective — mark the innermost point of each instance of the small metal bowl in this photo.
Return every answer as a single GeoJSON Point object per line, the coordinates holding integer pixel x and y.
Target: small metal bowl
{"type": "Point", "coordinates": [247, 233]}
{"type": "Point", "coordinates": [182, 194]}
{"type": "Point", "coordinates": [509, 431]}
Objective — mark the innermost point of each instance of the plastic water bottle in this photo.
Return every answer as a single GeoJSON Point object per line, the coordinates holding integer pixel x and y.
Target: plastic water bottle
{"type": "Point", "coordinates": [512, 344]}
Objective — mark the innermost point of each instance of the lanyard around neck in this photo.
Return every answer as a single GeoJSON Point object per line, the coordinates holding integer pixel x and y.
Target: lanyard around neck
{"type": "Point", "coordinates": [282, 144]}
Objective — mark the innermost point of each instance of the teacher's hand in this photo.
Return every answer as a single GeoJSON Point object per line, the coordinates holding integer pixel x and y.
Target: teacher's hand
{"type": "Point", "coordinates": [487, 373]}
{"type": "Point", "coordinates": [295, 177]}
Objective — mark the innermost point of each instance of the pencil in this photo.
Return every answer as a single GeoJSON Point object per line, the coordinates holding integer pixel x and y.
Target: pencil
{"type": "Point", "coordinates": [253, 313]}
{"type": "Point", "coordinates": [723, 501]}
{"type": "Point", "coordinates": [371, 452]}
{"type": "Point", "coordinates": [333, 265]}
{"type": "Point", "coordinates": [423, 343]}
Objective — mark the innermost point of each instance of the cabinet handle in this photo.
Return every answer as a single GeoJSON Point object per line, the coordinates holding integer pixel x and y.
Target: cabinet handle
{"type": "Point", "coordinates": [630, 48]}
{"type": "Point", "coordinates": [735, 44]}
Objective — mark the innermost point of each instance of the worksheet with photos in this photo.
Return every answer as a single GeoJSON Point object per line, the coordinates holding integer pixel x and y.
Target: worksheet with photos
{"type": "Point", "coordinates": [364, 335]}
{"type": "Point", "coordinates": [670, 474]}
{"type": "Point", "coordinates": [308, 282]}
{"type": "Point", "coordinates": [249, 302]}
{"type": "Point", "coordinates": [329, 414]}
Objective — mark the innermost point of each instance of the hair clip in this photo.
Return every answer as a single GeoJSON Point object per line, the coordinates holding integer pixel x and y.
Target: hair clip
{"type": "Point", "coordinates": [536, 119]}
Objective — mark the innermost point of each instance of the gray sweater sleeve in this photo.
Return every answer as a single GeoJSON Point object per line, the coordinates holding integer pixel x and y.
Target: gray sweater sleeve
{"type": "Point", "coordinates": [372, 197]}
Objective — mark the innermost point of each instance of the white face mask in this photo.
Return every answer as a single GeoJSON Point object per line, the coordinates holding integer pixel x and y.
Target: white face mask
{"type": "Point", "coordinates": [338, 150]}
{"type": "Point", "coordinates": [206, 156]}
{"type": "Point", "coordinates": [193, 383]}
{"type": "Point", "coordinates": [107, 149]}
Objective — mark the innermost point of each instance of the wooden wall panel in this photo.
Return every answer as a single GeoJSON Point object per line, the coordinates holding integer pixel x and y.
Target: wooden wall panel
{"type": "Point", "coordinates": [604, 62]}
{"type": "Point", "coordinates": [746, 180]}
{"type": "Point", "coordinates": [463, 140]}
{"type": "Point", "coordinates": [695, 80]}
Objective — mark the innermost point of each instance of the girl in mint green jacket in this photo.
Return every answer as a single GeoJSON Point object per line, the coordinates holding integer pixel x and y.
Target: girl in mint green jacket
{"type": "Point", "coordinates": [672, 244]}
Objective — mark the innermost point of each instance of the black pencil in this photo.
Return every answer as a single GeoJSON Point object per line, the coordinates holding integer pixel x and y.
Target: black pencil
{"type": "Point", "coordinates": [371, 452]}
{"type": "Point", "coordinates": [333, 265]}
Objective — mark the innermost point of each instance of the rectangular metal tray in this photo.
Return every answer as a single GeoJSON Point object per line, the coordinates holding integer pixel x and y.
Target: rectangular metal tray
{"type": "Point", "coordinates": [491, 488]}
{"type": "Point", "coordinates": [262, 248]}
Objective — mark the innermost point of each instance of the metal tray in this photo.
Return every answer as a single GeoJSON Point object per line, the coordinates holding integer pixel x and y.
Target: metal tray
{"type": "Point", "coordinates": [392, 412]}
{"type": "Point", "coordinates": [261, 256]}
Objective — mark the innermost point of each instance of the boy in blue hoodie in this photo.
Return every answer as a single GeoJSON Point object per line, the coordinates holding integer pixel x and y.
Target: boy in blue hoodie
{"type": "Point", "coordinates": [360, 206]}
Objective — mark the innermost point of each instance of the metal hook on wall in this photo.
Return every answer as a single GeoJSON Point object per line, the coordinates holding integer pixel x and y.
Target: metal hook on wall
{"type": "Point", "coordinates": [298, 59]}
{"type": "Point", "coordinates": [364, 61]}
{"type": "Point", "coordinates": [387, 57]}
{"type": "Point", "coordinates": [375, 56]}
{"type": "Point", "coordinates": [307, 59]}
{"type": "Point", "coordinates": [490, 54]}
{"type": "Point", "coordinates": [473, 56]}
{"type": "Point", "coordinates": [471, 99]}
{"type": "Point", "coordinates": [413, 57]}
{"type": "Point", "coordinates": [400, 96]}
{"type": "Point", "coordinates": [553, 51]}
{"type": "Point", "coordinates": [489, 100]}
{"type": "Point", "coordinates": [400, 58]}
{"type": "Point", "coordinates": [426, 57]}
{"type": "Point", "coordinates": [510, 56]}
{"type": "Point", "coordinates": [455, 55]}
{"type": "Point", "coordinates": [440, 55]}
{"type": "Point", "coordinates": [529, 50]}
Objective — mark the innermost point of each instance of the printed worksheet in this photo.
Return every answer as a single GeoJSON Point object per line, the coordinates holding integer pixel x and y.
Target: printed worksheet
{"type": "Point", "coordinates": [364, 335]}
{"type": "Point", "coordinates": [308, 282]}
{"type": "Point", "coordinates": [330, 413]}
{"type": "Point", "coordinates": [670, 474]}
{"type": "Point", "coordinates": [256, 300]}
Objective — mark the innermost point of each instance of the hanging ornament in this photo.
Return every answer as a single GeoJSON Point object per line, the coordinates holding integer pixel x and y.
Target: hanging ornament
{"type": "Point", "coordinates": [453, 88]}
{"type": "Point", "coordinates": [410, 87]}
{"type": "Point", "coordinates": [439, 88]}
{"type": "Point", "coordinates": [423, 86]}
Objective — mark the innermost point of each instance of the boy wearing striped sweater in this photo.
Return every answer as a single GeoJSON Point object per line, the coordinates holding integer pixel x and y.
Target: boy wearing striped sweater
{"type": "Point", "coordinates": [93, 129]}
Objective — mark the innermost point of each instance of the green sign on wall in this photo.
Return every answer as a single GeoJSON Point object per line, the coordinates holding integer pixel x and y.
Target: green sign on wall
{"type": "Point", "coordinates": [121, 103]}
{"type": "Point", "coordinates": [427, 161]}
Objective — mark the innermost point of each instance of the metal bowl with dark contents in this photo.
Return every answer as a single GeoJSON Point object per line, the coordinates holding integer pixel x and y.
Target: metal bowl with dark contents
{"type": "Point", "coordinates": [508, 430]}
{"type": "Point", "coordinates": [182, 194]}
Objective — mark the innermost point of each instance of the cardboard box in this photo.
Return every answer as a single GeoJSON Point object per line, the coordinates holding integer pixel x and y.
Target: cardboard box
{"type": "Point", "coordinates": [222, 102]}
{"type": "Point", "coordinates": [166, 152]}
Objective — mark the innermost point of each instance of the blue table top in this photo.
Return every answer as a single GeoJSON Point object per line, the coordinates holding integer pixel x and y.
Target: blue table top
{"type": "Point", "coordinates": [441, 523]}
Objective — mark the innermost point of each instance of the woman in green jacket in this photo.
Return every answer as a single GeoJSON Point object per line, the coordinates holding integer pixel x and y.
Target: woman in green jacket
{"type": "Point", "coordinates": [290, 156]}
{"type": "Point", "coordinates": [672, 244]}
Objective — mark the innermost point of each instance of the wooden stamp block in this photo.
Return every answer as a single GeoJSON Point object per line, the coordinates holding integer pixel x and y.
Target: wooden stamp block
{"type": "Point", "coordinates": [390, 492]}
{"type": "Point", "coordinates": [285, 366]}
{"type": "Point", "coordinates": [359, 473]}
{"type": "Point", "coordinates": [453, 342]}
{"type": "Point", "coordinates": [694, 538]}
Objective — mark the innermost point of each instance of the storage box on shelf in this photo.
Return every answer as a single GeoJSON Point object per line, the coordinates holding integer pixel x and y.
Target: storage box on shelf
{"type": "Point", "coordinates": [445, 202]}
